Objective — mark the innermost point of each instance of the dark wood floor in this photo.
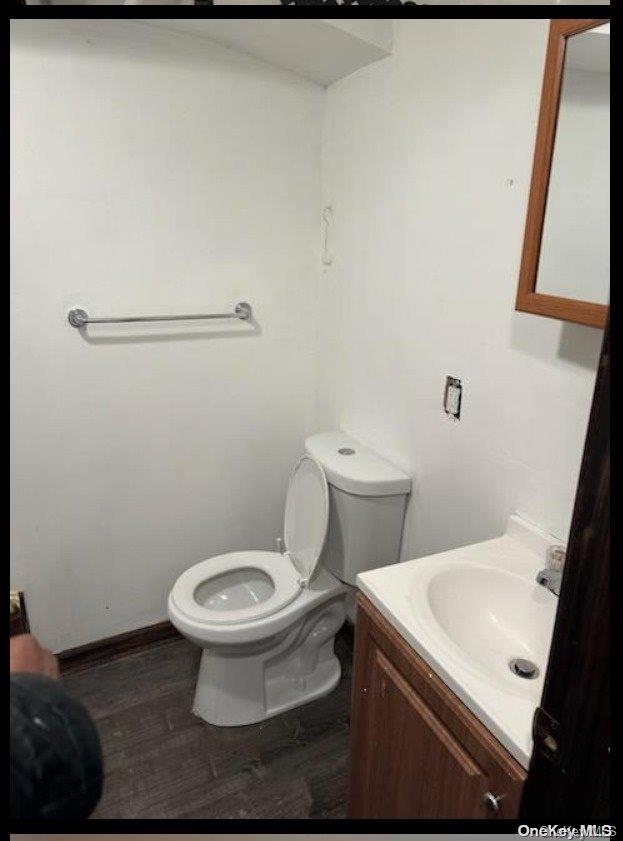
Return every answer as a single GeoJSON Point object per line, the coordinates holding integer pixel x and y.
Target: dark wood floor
{"type": "Point", "coordinates": [163, 762]}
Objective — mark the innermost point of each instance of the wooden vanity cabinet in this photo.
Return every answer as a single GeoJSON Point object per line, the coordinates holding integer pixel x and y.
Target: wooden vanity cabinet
{"type": "Point", "coordinates": [416, 751]}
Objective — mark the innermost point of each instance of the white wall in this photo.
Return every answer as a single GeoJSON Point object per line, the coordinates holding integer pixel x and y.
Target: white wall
{"type": "Point", "coordinates": [157, 173]}
{"type": "Point", "coordinates": [426, 162]}
{"type": "Point", "coordinates": [153, 173]}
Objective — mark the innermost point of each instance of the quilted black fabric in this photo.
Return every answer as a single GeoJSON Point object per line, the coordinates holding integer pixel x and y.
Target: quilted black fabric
{"type": "Point", "coordinates": [56, 758]}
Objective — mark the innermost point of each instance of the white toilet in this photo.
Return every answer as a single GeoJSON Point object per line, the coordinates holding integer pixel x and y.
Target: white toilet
{"type": "Point", "coordinates": [267, 620]}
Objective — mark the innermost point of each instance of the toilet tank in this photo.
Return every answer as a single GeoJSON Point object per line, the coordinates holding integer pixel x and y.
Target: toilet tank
{"type": "Point", "coordinates": [367, 501]}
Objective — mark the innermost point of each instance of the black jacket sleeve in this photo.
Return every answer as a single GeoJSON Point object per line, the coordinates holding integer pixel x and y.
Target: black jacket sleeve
{"type": "Point", "coordinates": [56, 759]}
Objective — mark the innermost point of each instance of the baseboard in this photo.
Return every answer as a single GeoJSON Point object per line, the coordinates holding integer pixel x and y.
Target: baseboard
{"type": "Point", "coordinates": [99, 651]}
{"type": "Point", "coordinates": [73, 659]}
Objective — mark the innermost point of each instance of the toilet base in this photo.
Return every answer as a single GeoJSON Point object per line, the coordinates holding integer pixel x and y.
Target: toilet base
{"type": "Point", "coordinates": [286, 693]}
{"type": "Point", "coordinates": [244, 684]}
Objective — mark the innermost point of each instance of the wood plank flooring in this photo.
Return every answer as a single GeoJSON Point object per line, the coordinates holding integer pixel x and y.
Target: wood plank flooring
{"type": "Point", "coordinates": [163, 762]}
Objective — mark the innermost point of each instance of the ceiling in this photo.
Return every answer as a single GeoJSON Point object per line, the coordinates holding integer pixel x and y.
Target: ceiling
{"type": "Point", "coordinates": [322, 51]}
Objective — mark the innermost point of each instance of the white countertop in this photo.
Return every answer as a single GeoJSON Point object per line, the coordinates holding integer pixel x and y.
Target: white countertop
{"type": "Point", "coordinates": [485, 596]}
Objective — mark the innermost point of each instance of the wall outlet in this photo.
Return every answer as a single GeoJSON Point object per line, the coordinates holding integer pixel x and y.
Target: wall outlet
{"type": "Point", "coordinates": [452, 397]}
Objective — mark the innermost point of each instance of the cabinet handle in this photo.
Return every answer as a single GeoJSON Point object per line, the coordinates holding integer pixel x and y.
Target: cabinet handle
{"type": "Point", "coordinates": [492, 802]}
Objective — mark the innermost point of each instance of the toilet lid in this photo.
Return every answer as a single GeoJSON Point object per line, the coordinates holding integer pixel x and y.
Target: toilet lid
{"type": "Point", "coordinates": [306, 516]}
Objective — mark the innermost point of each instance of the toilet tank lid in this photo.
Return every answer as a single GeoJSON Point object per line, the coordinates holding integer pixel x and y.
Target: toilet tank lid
{"type": "Point", "coordinates": [362, 472]}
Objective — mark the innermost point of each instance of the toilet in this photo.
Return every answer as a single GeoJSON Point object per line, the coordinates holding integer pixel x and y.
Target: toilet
{"type": "Point", "coordinates": [266, 621]}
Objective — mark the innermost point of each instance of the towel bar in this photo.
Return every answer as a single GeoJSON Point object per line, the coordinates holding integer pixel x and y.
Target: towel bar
{"type": "Point", "coordinates": [78, 318]}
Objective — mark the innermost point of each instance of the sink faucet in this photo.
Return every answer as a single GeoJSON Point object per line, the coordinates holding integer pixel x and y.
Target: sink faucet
{"type": "Point", "coordinates": [551, 576]}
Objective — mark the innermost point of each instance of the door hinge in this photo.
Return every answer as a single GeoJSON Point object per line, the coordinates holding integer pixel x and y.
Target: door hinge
{"type": "Point", "coordinates": [546, 734]}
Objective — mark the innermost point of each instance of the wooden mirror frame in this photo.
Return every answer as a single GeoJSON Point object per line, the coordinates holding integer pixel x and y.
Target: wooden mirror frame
{"type": "Point", "coordinates": [528, 299]}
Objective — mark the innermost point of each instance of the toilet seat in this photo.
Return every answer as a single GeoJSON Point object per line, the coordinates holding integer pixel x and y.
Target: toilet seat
{"type": "Point", "coordinates": [278, 568]}
{"type": "Point", "coordinates": [305, 527]}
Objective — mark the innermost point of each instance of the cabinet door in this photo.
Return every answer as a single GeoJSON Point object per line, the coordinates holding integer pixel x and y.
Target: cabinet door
{"type": "Point", "coordinates": [416, 750]}
{"type": "Point", "coordinates": [412, 765]}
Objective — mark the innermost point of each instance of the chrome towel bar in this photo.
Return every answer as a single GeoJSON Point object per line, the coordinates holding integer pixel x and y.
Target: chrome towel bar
{"type": "Point", "coordinates": [78, 318]}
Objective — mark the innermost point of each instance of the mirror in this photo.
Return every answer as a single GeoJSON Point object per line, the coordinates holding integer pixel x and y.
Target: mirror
{"type": "Point", "coordinates": [565, 267]}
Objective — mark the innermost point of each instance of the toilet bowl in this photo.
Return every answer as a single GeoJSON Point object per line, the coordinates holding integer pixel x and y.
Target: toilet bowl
{"type": "Point", "coordinates": [266, 620]}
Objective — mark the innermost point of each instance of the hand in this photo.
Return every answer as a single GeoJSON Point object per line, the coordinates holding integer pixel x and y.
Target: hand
{"type": "Point", "coordinates": [28, 656]}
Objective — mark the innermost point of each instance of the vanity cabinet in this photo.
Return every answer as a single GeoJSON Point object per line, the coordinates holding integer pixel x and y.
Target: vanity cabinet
{"type": "Point", "coordinates": [416, 750]}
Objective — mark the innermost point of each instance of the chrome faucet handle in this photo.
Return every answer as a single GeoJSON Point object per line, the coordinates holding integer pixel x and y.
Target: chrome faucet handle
{"type": "Point", "coordinates": [550, 578]}
{"type": "Point", "coordinates": [556, 557]}
{"type": "Point", "coordinates": [280, 548]}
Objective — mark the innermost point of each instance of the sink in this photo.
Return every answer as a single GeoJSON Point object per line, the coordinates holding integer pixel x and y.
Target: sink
{"type": "Point", "coordinates": [492, 616]}
{"type": "Point", "coordinates": [477, 616]}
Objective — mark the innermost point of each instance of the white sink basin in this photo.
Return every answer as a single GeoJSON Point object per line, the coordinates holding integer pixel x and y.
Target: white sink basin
{"type": "Point", "coordinates": [469, 613]}
{"type": "Point", "coordinates": [493, 616]}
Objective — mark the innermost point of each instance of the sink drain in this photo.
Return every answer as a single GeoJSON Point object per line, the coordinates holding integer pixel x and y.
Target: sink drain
{"type": "Point", "coordinates": [523, 668]}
